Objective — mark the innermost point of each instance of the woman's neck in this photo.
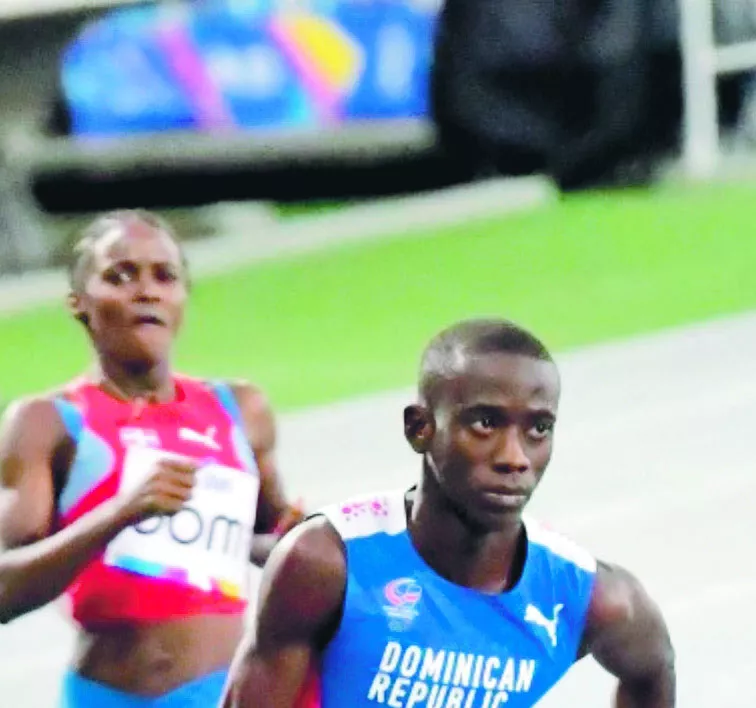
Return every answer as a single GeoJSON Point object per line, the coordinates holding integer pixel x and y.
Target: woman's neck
{"type": "Point", "coordinates": [135, 381]}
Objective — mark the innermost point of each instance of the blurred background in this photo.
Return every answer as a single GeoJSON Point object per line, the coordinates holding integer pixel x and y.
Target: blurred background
{"type": "Point", "coordinates": [352, 175]}
{"type": "Point", "coordinates": [595, 150]}
{"type": "Point", "coordinates": [186, 103]}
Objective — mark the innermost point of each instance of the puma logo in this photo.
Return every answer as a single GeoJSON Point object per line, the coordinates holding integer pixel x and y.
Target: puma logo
{"type": "Point", "coordinates": [534, 615]}
{"type": "Point", "coordinates": [207, 438]}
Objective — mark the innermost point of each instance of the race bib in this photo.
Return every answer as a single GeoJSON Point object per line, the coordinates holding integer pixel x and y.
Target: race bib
{"type": "Point", "coordinates": [206, 544]}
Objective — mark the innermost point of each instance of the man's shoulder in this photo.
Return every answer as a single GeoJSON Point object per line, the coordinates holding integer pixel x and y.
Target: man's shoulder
{"type": "Point", "coordinates": [558, 544]}
{"type": "Point", "coordinates": [368, 514]}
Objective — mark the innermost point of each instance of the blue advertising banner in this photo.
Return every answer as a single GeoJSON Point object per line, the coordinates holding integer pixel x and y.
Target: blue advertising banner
{"type": "Point", "coordinates": [222, 65]}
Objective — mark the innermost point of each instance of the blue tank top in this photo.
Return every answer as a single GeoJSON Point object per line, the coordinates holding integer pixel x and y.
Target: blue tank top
{"type": "Point", "coordinates": [408, 638]}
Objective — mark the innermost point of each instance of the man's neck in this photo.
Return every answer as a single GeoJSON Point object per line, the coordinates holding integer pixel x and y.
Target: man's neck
{"type": "Point", "coordinates": [486, 560]}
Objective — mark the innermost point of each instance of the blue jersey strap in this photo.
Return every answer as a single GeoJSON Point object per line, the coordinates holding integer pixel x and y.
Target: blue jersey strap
{"type": "Point", "coordinates": [227, 399]}
{"type": "Point", "coordinates": [72, 417]}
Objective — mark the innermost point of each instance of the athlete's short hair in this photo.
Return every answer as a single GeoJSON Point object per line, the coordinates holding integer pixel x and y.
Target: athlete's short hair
{"type": "Point", "coordinates": [82, 253]}
{"type": "Point", "coordinates": [447, 352]}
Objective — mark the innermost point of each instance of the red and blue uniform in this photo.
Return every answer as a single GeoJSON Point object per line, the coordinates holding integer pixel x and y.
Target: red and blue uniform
{"type": "Point", "coordinates": [194, 562]}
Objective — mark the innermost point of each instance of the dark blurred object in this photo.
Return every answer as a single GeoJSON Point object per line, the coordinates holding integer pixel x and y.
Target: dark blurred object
{"type": "Point", "coordinates": [561, 87]}
{"type": "Point", "coordinates": [735, 22]}
{"type": "Point", "coordinates": [577, 55]}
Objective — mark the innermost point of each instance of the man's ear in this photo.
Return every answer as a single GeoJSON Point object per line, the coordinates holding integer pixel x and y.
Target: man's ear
{"type": "Point", "coordinates": [419, 427]}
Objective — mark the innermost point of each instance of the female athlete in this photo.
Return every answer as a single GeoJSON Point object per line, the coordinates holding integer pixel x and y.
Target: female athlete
{"type": "Point", "coordinates": [135, 492]}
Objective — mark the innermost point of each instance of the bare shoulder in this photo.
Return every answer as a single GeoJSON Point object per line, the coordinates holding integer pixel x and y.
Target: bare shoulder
{"type": "Point", "coordinates": [304, 581]}
{"type": "Point", "coordinates": [256, 412]}
{"type": "Point", "coordinates": [250, 398]}
{"type": "Point", "coordinates": [29, 425]}
{"type": "Point", "coordinates": [625, 629]}
{"type": "Point", "coordinates": [617, 596]}
{"type": "Point", "coordinates": [311, 553]}
{"type": "Point", "coordinates": [248, 395]}
{"type": "Point", "coordinates": [31, 433]}
{"type": "Point", "coordinates": [30, 410]}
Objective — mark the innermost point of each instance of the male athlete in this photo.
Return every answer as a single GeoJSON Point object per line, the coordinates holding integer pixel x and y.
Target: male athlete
{"type": "Point", "coordinates": [446, 595]}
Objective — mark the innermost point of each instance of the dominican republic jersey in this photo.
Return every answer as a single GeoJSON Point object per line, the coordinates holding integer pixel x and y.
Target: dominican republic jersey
{"type": "Point", "coordinates": [193, 562]}
{"type": "Point", "coordinates": [408, 638]}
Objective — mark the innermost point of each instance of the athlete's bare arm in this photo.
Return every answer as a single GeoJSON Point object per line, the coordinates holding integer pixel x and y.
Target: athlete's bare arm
{"type": "Point", "coordinates": [35, 566]}
{"type": "Point", "coordinates": [275, 516]}
{"type": "Point", "coordinates": [626, 634]}
{"type": "Point", "coordinates": [301, 596]}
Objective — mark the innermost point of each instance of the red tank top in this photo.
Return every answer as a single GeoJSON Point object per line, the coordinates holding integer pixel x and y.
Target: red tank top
{"type": "Point", "coordinates": [195, 562]}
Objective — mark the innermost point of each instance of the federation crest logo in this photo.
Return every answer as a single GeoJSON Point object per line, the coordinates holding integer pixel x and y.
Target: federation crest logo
{"type": "Point", "coordinates": [139, 437]}
{"type": "Point", "coordinates": [403, 596]}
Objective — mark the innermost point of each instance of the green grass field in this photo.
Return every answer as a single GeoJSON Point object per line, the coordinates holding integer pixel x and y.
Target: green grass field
{"type": "Point", "coordinates": [353, 319]}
